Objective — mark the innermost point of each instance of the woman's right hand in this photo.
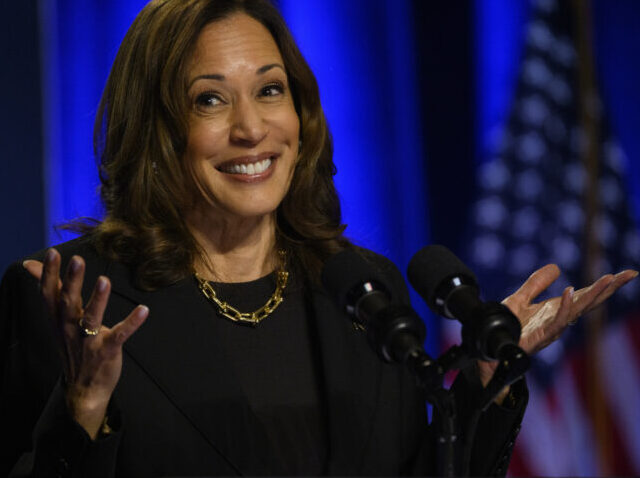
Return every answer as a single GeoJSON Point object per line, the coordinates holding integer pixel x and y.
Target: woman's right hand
{"type": "Point", "coordinates": [91, 363]}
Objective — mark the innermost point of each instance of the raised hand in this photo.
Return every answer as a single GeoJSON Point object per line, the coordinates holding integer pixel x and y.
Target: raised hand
{"type": "Point", "coordinates": [91, 352]}
{"type": "Point", "coordinates": [543, 322]}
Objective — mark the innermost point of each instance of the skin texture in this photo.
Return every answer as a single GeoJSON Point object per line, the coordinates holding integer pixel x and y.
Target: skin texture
{"type": "Point", "coordinates": [92, 364]}
{"type": "Point", "coordinates": [543, 322]}
{"type": "Point", "coordinates": [242, 110]}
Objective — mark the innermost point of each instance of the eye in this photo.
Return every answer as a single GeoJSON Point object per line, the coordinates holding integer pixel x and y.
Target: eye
{"type": "Point", "coordinates": [208, 99]}
{"type": "Point", "coordinates": [272, 89]}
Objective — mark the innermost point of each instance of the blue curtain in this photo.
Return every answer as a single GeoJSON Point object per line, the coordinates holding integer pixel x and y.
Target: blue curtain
{"type": "Point", "coordinates": [617, 49]}
{"type": "Point", "coordinates": [79, 42]}
{"type": "Point", "coordinates": [362, 53]}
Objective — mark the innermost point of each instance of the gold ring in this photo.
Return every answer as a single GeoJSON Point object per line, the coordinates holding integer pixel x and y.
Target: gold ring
{"type": "Point", "coordinates": [86, 332]}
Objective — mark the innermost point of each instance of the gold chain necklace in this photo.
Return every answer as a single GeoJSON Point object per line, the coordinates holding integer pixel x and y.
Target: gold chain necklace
{"type": "Point", "coordinates": [248, 318]}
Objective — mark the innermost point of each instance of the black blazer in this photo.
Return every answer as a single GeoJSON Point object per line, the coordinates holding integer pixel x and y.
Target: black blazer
{"type": "Point", "coordinates": [173, 382]}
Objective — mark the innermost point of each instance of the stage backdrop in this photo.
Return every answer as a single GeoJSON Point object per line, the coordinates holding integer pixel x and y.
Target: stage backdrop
{"type": "Point", "coordinates": [364, 59]}
{"type": "Point", "coordinates": [414, 92]}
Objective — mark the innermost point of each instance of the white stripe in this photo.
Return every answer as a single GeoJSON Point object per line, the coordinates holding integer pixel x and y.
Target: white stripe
{"type": "Point", "coordinates": [579, 448]}
{"type": "Point", "coordinates": [539, 437]}
{"type": "Point", "coordinates": [619, 370]}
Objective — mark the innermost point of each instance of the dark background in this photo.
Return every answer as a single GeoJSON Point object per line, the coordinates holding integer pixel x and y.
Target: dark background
{"type": "Point", "coordinates": [446, 58]}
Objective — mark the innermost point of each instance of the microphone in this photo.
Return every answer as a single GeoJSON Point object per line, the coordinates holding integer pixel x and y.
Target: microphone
{"type": "Point", "coordinates": [394, 330]}
{"type": "Point", "coordinates": [450, 289]}
{"type": "Point", "coordinates": [396, 333]}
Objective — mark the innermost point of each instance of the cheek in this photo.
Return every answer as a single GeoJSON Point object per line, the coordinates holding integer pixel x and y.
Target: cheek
{"type": "Point", "coordinates": [285, 120]}
{"type": "Point", "coordinates": [205, 140]}
{"type": "Point", "coordinates": [294, 127]}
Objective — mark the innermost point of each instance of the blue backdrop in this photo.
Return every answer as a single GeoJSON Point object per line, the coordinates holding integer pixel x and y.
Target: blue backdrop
{"type": "Point", "coordinates": [399, 108]}
{"type": "Point", "coordinates": [364, 55]}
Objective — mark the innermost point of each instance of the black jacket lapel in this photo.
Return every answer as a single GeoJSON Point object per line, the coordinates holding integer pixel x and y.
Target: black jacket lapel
{"type": "Point", "coordinates": [174, 349]}
{"type": "Point", "coordinates": [352, 376]}
{"type": "Point", "coordinates": [170, 348]}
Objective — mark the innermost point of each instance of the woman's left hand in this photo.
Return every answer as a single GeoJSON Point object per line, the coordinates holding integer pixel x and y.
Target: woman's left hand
{"type": "Point", "coordinates": [543, 322]}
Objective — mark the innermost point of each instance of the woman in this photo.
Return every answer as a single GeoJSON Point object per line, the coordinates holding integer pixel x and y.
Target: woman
{"type": "Point", "coordinates": [216, 173]}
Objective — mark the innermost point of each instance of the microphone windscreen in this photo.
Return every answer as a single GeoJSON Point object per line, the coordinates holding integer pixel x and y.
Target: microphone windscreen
{"type": "Point", "coordinates": [345, 271]}
{"type": "Point", "coordinates": [431, 266]}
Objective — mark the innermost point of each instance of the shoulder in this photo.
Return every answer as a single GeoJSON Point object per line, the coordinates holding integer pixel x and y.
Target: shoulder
{"type": "Point", "coordinates": [81, 246]}
{"type": "Point", "coordinates": [16, 278]}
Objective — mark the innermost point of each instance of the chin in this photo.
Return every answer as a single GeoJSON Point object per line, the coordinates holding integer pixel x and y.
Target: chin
{"type": "Point", "coordinates": [244, 212]}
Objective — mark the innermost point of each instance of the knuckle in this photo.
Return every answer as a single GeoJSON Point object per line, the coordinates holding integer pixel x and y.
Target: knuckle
{"type": "Point", "coordinates": [89, 319]}
{"type": "Point", "coordinates": [68, 335]}
{"type": "Point", "coordinates": [65, 302]}
{"type": "Point", "coordinates": [94, 348]}
{"type": "Point", "coordinates": [118, 338]}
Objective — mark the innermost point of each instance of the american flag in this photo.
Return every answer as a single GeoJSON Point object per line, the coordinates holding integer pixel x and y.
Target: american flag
{"type": "Point", "coordinates": [549, 193]}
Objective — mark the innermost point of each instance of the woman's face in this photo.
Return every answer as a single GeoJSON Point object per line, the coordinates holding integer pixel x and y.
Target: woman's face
{"type": "Point", "coordinates": [243, 127]}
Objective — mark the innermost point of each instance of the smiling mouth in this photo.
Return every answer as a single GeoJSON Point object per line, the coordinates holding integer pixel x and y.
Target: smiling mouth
{"type": "Point", "coordinates": [247, 168]}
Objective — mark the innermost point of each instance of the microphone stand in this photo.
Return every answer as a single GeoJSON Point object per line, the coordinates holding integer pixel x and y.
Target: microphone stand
{"type": "Point", "coordinates": [396, 333]}
{"type": "Point", "coordinates": [513, 363]}
{"type": "Point", "coordinates": [430, 374]}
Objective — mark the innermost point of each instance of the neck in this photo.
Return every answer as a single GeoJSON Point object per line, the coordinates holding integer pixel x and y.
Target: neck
{"type": "Point", "coordinates": [235, 249]}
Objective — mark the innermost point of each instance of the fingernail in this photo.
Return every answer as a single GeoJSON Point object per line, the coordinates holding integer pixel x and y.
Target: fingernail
{"type": "Point", "coordinates": [143, 311]}
{"type": "Point", "coordinates": [571, 291]}
{"type": "Point", "coordinates": [75, 265]}
{"type": "Point", "coordinates": [102, 284]}
{"type": "Point", "coordinates": [50, 255]}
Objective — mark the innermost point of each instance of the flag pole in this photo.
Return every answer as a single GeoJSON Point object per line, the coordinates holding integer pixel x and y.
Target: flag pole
{"type": "Point", "coordinates": [590, 120]}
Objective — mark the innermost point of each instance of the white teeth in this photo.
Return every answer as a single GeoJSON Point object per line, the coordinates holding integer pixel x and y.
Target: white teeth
{"type": "Point", "coordinates": [262, 166]}
{"type": "Point", "coordinates": [249, 169]}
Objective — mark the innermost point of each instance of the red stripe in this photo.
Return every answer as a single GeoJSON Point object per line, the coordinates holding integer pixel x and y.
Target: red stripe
{"type": "Point", "coordinates": [518, 465]}
{"type": "Point", "coordinates": [632, 324]}
{"type": "Point", "coordinates": [618, 463]}
{"type": "Point", "coordinates": [551, 397]}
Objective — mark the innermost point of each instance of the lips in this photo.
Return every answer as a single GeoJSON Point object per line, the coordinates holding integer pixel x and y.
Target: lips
{"type": "Point", "coordinates": [248, 165]}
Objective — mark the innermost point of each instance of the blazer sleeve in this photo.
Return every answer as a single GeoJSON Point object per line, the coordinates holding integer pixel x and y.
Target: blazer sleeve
{"type": "Point", "coordinates": [45, 440]}
{"type": "Point", "coordinates": [496, 430]}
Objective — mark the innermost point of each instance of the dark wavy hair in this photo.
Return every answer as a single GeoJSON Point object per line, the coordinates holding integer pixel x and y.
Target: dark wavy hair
{"type": "Point", "coordinates": [141, 134]}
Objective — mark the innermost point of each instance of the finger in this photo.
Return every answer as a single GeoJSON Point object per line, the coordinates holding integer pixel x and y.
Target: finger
{"type": "Point", "coordinates": [564, 315]}
{"type": "Point", "coordinates": [119, 334]}
{"type": "Point", "coordinates": [34, 268]}
{"type": "Point", "coordinates": [620, 279]}
{"type": "Point", "coordinates": [50, 279]}
{"type": "Point", "coordinates": [94, 311]}
{"type": "Point", "coordinates": [566, 304]}
{"type": "Point", "coordinates": [556, 318]}
{"type": "Point", "coordinates": [70, 294]}
{"type": "Point", "coordinates": [585, 297]}
{"type": "Point", "coordinates": [538, 282]}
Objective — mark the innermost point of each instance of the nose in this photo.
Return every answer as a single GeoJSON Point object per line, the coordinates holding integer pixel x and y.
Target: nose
{"type": "Point", "coordinates": [248, 126]}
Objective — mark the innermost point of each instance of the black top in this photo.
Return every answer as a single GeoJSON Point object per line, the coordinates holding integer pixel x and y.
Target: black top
{"type": "Point", "coordinates": [279, 371]}
{"type": "Point", "coordinates": [172, 396]}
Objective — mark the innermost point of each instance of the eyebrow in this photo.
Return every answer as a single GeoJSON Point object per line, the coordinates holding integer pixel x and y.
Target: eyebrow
{"type": "Point", "coordinates": [214, 76]}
